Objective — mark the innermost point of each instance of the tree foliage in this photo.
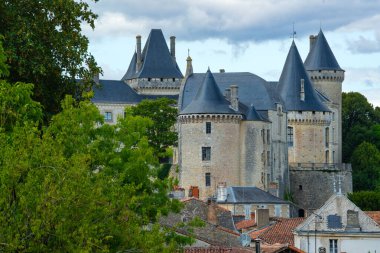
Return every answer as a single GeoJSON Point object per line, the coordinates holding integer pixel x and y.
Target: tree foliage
{"type": "Point", "coordinates": [81, 185]}
{"type": "Point", "coordinates": [358, 117]}
{"type": "Point", "coordinates": [44, 45]}
{"type": "Point", "coordinates": [366, 200]}
{"type": "Point", "coordinates": [366, 167]}
{"type": "Point", "coordinates": [161, 133]}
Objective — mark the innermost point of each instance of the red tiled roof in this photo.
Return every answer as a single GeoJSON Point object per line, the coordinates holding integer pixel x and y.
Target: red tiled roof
{"type": "Point", "coordinates": [375, 215]}
{"type": "Point", "coordinates": [281, 232]}
{"type": "Point", "coordinates": [245, 224]}
{"type": "Point", "coordinates": [217, 250]}
{"type": "Point", "coordinates": [277, 247]}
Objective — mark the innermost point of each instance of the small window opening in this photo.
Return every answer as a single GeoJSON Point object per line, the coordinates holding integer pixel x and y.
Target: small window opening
{"type": "Point", "coordinates": [208, 179]}
{"type": "Point", "coordinates": [208, 127]}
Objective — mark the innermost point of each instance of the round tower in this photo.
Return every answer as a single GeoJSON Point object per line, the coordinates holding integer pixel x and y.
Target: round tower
{"type": "Point", "coordinates": [327, 77]}
{"type": "Point", "coordinates": [308, 117]}
{"type": "Point", "coordinates": [208, 141]}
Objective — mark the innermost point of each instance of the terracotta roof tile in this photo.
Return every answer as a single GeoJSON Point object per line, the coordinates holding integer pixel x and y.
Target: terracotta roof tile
{"type": "Point", "coordinates": [245, 224]}
{"type": "Point", "coordinates": [217, 250]}
{"type": "Point", "coordinates": [280, 232]}
{"type": "Point", "coordinates": [375, 215]}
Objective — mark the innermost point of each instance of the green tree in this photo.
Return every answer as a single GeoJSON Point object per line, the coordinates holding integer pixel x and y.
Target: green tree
{"type": "Point", "coordinates": [81, 185]}
{"type": "Point", "coordinates": [161, 133]}
{"type": "Point", "coordinates": [366, 200]}
{"type": "Point", "coordinates": [44, 45]}
{"type": "Point", "coordinates": [366, 167]}
{"type": "Point", "coordinates": [358, 116]}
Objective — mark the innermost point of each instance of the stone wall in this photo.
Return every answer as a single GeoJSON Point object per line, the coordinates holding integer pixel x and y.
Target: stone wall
{"type": "Point", "coordinates": [309, 143]}
{"type": "Point", "coordinates": [255, 156]}
{"type": "Point", "coordinates": [313, 184]}
{"type": "Point", "coordinates": [117, 110]}
{"type": "Point", "coordinates": [224, 142]}
{"type": "Point", "coordinates": [239, 209]}
{"type": "Point", "coordinates": [329, 83]}
{"type": "Point", "coordinates": [279, 150]}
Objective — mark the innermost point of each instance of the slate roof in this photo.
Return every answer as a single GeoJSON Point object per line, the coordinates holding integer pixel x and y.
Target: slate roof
{"type": "Point", "coordinates": [252, 89]}
{"type": "Point", "coordinates": [253, 115]}
{"type": "Point", "coordinates": [157, 61]}
{"type": "Point", "coordinates": [118, 92]}
{"type": "Point", "coordinates": [250, 194]}
{"type": "Point", "coordinates": [281, 232]}
{"type": "Point", "coordinates": [321, 56]}
{"type": "Point", "coordinates": [289, 86]}
{"type": "Point", "coordinates": [209, 99]}
{"type": "Point", "coordinates": [219, 232]}
{"type": "Point", "coordinates": [115, 92]}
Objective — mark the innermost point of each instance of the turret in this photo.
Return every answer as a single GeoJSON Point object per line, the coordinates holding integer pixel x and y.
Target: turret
{"type": "Point", "coordinates": [308, 117]}
{"type": "Point", "coordinates": [206, 126]}
{"type": "Point", "coordinates": [327, 77]}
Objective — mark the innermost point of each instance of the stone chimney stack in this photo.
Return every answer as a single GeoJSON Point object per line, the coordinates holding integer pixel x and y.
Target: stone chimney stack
{"type": "Point", "coordinates": [234, 97]}
{"type": "Point", "coordinates": [138, 53]}
{"type": "Point", "coordinates": [302, 95]}
{"type": "Point", "coordinates": [262, 217]}
{"type": "Point", "coordinates": [172, 46]}
{"type": "Point", "coordinates": [189, 66]}
{"type": "Point", "coordinates": [222, 192]}
{"type": "Point", "coordinates": [312, 39]}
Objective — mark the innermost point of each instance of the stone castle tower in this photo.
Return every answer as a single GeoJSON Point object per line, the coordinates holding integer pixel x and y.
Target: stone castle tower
{"type": "Point", "coordinates": [201, 127]}
{"type": "Point", "coordinates": [327, 77]}
{"type": "Point", "coordinates": [314, 128]}
{"type": "Point", "coordinates": [154, 70]}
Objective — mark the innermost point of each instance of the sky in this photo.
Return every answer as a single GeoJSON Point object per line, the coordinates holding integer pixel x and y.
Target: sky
{"type": "Point", "coordinates": [243, 35]}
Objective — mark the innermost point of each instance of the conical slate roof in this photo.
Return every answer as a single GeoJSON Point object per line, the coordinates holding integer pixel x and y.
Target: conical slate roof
{"type": "Point", "coordinates": [209, 99]}
{"type": "Point", "coordinates": [289, 86]}
{"type": "Point", "coordinates": [157, 61]}
{"type": "Point", "coordinates": [321, 56]}
{"type": "Point", "coordinates": [253, 115]}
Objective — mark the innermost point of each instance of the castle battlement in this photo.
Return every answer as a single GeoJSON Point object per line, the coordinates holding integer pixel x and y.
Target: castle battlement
{"type": "Point", "coordinates": [320, 167]}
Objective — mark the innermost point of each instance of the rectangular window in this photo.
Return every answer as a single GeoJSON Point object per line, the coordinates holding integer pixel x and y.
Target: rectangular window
{"type": "Point", "coordinates": [268, 136]}
{"type": "Point", "coordinates": [263, 135]}
{"type": "Point", "coordinates": [277, 210]}
{"type": "Point", "coordinates": [108, 116]}
{"type": "Point", "coordinates": [268, 158]}
{"type": "Point", "coordinates": [290, 136]}
{"type": "Point", "coordinates": [208, 127]}
{"type": "Point", "coordinates": [206, 153]}
{"type": "Point", "coordinates": [327, 137]}
{"type": "Point", "coordinates": [333, 246]}
{"type": "Point", "coordinates": [208, 179]}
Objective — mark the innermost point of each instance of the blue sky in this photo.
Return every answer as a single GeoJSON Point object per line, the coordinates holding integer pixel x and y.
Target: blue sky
{"type": "Point", "coordinates": [243, 35]}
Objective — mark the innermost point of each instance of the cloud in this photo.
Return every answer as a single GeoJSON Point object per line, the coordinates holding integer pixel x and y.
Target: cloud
{"type": "Point", "coordinates": [234, 20]}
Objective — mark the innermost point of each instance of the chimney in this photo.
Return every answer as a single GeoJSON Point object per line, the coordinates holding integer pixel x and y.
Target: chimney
{"type": "Point", "coordinates": [222, 71]}
{"type": "Point", "coordinates": [222, 192]}
{"type": "Point", "coordinates": [262, 217]}
{"type": "Point", "coordinates": [211, 213]}
{"type": "Point", "coordinates": [227, 94]}
{"type": "Point", "coordinates": [234, 97]}
{"type": "Point", "coordinates": [302, 89]}
{"type": "Point", "coordinates": [189, 66]}
{"type": "Point", "coordinates": [138, 53]}
{"type": "Point", "coordinates": [257, 245]}
{"type": "Point", "coordinates": [312, 39]}
{"type": "Point", "coordinates": [172, 46]}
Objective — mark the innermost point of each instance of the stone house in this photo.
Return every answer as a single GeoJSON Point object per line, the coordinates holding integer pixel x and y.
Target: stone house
{"type": "Point", "coordinates": [338, 226]}
{"type": "Point", "coordinates": [246, 201]}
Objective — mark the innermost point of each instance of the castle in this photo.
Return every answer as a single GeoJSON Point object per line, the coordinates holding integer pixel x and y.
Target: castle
{"type": "Point", "coordinates": [237, 129]}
